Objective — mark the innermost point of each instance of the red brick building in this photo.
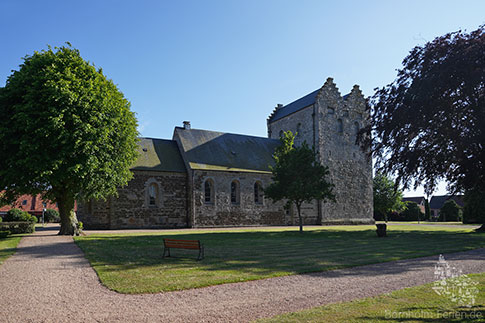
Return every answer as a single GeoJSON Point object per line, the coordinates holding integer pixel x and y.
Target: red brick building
{"type": "Point", "coordinates": [29, 203]}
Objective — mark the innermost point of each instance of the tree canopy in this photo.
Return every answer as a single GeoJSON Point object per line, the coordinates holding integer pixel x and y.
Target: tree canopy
{"type": "Point", "coordinates": [429, 124]}
{"type": "Point", "coordinates": [387, 198]}
{"type": "Point", "coordinates": [298, 176]}
{"type": "Point", "coordinates": [474, 210]}
{"type": "Point", "coordinates": [66, 132]}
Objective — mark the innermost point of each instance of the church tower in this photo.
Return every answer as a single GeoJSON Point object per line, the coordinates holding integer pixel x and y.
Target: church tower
{"type": "Point", "coordinates": [330, 122]}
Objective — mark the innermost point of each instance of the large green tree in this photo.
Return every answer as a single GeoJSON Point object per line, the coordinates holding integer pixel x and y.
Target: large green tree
{"type": "Point", "coordinates": [66, 132]}
{"type": "Point", "coordinates": [387, 197]}
{"type": "Point", "coordinates": [298, 176]}
{"type": "Point", "coordinates": [429, 124]}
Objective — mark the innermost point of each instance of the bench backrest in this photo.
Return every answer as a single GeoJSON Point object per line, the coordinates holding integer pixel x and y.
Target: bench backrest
{"type": "Point", "coordinates": [183, 244]}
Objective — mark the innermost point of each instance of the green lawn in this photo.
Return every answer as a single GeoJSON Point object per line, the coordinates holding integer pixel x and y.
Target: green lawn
{"type": "Point", "coordinates": [416, 304]}
{"type": "Point", "coordinates": [132, 263]}
{"type": "Point", "coordinates": [8, 246]}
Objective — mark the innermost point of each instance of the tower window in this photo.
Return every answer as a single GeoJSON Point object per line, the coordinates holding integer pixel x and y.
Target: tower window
{"type": "Point", "coordinates": [330, 110]}
{"type": "Point", "coordinates": [298, 130]}
{"type": "Point", "coordinates": [356, 128]}
{"type": "Point", "coordinates": [235, 192]}
{"type": "Point", "coordinates": [340, 126]}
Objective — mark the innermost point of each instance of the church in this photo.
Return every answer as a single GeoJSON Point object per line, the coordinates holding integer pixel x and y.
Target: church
{"type": "Point", "coordinates": [203, 178]}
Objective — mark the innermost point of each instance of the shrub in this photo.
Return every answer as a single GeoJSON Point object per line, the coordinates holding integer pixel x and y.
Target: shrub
{"type": "Point", "coordinates": [4, 234]}
{"type": "Point", "coordinates": [412, 213]}
{"type": "Point", "coordinates": [16, 215]}
{"type": "Point", "coordinates": [51, 216]}
{"type": "Point", "coordinates": [450, 212]}
{"type": "Point", "coordinates": [1, 219]}
{"type": "Point", "coordinates": [33, 219]}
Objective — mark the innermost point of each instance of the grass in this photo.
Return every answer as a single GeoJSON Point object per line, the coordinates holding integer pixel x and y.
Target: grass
{"type": "Point", "coordinates": [416, 304]}
{"type": "Point", "coordinates": [430, 223]}
{"type": "Point", "coordinates": [8, 246]}
{"type": "Point", "coordinates": [132, 263]}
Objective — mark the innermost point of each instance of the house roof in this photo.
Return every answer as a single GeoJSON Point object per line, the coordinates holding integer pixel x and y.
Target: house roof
{"type": "Point", "coordinates": [295, 106]}
{"type": "Point", "coordinates": [415, 199]}
{"type": "Point", "coordinates": [213, 150]}
{"type": "Point", "coordinates": [159, 155]}
{"type": "Point", "coordinates": [438, 201]}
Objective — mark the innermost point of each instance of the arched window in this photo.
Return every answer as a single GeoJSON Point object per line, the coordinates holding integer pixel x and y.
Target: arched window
{"type": "Point", "coordinates": [298, 130]}
{"type": "Point", "coordinates": [153, 194]}
{"type": "Point", "coordinates": [340, 126]}
{"type": "Point", "coordinates": [235, 193]}
{"type": "Point", "coordinates": [281, 133]}
{"type": "Point", "coordinates": [209, 192]}
{"type": "Point", "coordinates": [356, 128]}
{"type": "Point", "coordinates": [258, 193]}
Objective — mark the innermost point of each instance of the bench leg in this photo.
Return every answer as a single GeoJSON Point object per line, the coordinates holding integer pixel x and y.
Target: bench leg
{"type": "Point", "coordinates": [201, 253]}
{"type": "Point", "coordinates": [165, 251]}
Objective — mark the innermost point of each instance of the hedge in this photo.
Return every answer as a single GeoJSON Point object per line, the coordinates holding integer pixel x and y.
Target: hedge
{"type": "Point", "coordinates": [18, 227]}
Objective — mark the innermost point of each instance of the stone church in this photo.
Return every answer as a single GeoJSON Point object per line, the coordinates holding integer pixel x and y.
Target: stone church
{"type": "Point", "coordinates": [204, 178]}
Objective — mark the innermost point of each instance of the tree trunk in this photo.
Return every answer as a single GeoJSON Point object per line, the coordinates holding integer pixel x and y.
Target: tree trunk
{"type": "Point", "coordinates": [69, 223]}
{"type": "Point", "coordinates": [298, 207]}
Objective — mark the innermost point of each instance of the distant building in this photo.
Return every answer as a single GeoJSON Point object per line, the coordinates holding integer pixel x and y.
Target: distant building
{"type": "Point", "coordinates": [419, 200]}
{"type": "Point", "coordinates": [437, 202]}
{"type": "Point", "coordinates": [30, 203]}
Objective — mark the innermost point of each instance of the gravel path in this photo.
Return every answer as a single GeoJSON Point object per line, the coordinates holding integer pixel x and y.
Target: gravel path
{"type": "Point", "coordinates": [49, 280]}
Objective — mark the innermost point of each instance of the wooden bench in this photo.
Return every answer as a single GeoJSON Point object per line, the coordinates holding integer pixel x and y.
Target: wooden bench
{"type": "Point", "coordinates": [182, 244]}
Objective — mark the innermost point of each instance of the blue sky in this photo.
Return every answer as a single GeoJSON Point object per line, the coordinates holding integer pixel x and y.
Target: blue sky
{"type": "Point", "coordinates": [224, 65]}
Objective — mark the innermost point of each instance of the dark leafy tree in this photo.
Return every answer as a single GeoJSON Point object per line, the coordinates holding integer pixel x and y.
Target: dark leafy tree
{"type": "Point", "coordinates": [429, 124]}
{"type": "Point", "coordinates": [66, 132]}
{"type": "Point", "coordinates": [298, 176]}
{"type": "Point", "coordinates": [450, 211]}
{"type": "Point", "coordinates": [387, 198]}
{"type": "Point", "coordinates": [412, 212]}
{"type": "Point", "coordinates": [474, 210]}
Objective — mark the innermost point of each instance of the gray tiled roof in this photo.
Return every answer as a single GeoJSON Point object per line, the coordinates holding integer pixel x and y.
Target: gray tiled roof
{"type": "Point", "coordinates": [295, 106]}
{"type": "Point", "coordinates": [159, 155]}
{"type": "Point", "coordinates": [438, 201]}
{"type": "Point", "coordinates": [213, 150]}
{"type": "Point", "coordinates": [415, 199]}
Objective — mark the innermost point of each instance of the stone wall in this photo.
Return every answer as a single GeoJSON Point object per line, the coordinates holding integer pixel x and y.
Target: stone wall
{"type": "Point", "coordinates": [222, 212]}
{"type": "Point", "coordinates": [331, 125]}
{"type": "Point", "coordinates": [131, 209]}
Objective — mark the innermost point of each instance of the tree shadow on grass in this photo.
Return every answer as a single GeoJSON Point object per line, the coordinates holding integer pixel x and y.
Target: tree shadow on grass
{"type": "Point", "coordinates": [268, 254]}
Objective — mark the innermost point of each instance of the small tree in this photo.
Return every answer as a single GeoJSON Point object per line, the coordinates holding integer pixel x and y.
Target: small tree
{"type": "Point", "coordinates": [66, 132]}
{"type": "Point", "coordinates": [474, 210]}
{"type": "Point", "coordinates": [298, 176]}
{"type": "Point", "coordinates": [387, 198]}
{"type": "Point", "coordinates": [450, 211]}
